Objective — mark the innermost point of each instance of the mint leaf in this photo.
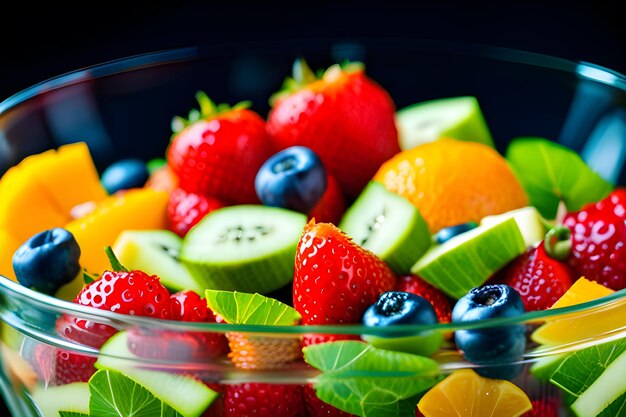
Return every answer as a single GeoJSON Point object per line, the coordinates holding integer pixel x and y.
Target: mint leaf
{"type": "Point", "coordinates": [72, 414]}
{"type": "Point", "coordinates": [550, 172]}
{"type": "Point", "coordinates": [366, 381]}
{"type": "Point", "coordinates": [114, 395]}
{"type": "Point", "coordinates": [244, 308]}
{"type": "Point", "coordinates": [580, 369]}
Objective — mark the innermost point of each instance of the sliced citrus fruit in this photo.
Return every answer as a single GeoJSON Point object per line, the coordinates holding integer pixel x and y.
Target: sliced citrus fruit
{"type": "Point", "coordinates": [581, 325]}
{"type": "Point", "coordinates": [453, 182]}
{"type": "Point", "coordinates": [464, 393]}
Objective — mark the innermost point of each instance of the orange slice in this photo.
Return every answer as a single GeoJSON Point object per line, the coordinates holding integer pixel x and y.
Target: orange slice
{"type": "Point", "coordinates": [464, 393]}
{"type": "Point", "coordinates": [582, 325]}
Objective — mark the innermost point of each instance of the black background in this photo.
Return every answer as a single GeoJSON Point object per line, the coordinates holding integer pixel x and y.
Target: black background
{"type": "Point", "coordinates": [38, 42]}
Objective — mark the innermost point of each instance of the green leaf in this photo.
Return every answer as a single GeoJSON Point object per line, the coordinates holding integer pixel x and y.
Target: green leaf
{"type": "Point", "coordinates": [580, 369]}
{"type": "Point", "coordinates": [72, 414]}
{"type": "Point", "coordinates": [550, 172]}
{"type": "Point", "coordinates": [366, 381]}
{"type": "Point", "coordinates": [244, 308]}
{"type": "Point", "coordinates": [88, 278]}
{"type": "Point", "coordinates": [114, 395]}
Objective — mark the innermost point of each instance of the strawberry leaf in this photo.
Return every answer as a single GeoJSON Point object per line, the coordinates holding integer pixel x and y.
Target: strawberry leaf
{"type": "Point", "coordinates": [550, 172]}
{"type": "Point", "coordinates": [366, 381]}
{"type": "Point", "coordinates": [114, 395]}
{"type": "Point", "coordinates": [244, 308]}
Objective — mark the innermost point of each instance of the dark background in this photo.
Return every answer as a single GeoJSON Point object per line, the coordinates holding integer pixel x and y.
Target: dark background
{"type": "Point", "coordinates": [38, 42]}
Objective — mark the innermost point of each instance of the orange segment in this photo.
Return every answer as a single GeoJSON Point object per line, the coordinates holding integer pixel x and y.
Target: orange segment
{"type": "Point", "coordinates": [453, 182]}
{"type": "Point", "coordinates": [137, 209]}
{"type": "Point", "coordinates": [464, 393]}
{"type": "Point", "coordinates": [582, 325]}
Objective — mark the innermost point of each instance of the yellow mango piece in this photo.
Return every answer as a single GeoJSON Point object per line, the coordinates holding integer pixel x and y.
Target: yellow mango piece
{"type": "Point", "coordinates": [8, 245]}
{"type": "Point", "coordinates": [68, 174]}
{"type": "Point", "coordinates": [26, 208]}
{"type": "Point", "coordinates": [582, 325]}
{"type": "Point", "coordinates": [137, 209]}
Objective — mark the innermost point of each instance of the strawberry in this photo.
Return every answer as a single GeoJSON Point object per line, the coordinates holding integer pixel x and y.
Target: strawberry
{"type": "Point", "coordinates": [538, 276]}
{"type": "Point", "coordinates": [185, 209]}
{"type": "Point", "coordinates": [56, 366]}
{"type": "Point", "coordinates": [120, 291]}
{"type": "Point", "coordinates": [545, 407]}
{"type": "Point", "coordinates": [318, 408]}
{"type": "Point", "coordinates": [332, 205]}
{"type": "Point", "coordinates": [343, 116]}
{"type": "Point", "coordinates": [263, 400]}
{"type": "Point", "coordinates": [218, 151]}
{"type": "Point", "coordinates": [335, 279]}
{"type": "Point", "coordinates": [599, 240]}
{"type": "Point", "coordinates": [186, 305]}
{"type": "Point", "coordinates": [440, 302]}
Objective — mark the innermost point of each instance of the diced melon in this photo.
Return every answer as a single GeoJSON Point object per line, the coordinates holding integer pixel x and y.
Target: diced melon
{"type": "Point", "coordinates": [585, 324]}
{"type": "Point", "coordinates": [137, 209]}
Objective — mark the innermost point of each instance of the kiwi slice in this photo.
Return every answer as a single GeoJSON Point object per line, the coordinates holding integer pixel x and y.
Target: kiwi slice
{"type": "Point", "coordinates": [71, 398]}
{"type": "Point", "coordinates": [388, 225]}
{"type": "Point", "coordinates": [248, 248]}
{"type": "Point", "coordinates": [156, 253]}
{"type": "Point", "coordinates": [186, 394]}
{"type": "Point", "coordinates": [455, 117]}
{"type": "Point", "coordinates": [469, 259]}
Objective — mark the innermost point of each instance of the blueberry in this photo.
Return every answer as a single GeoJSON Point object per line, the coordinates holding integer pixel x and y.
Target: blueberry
{"type": "Point", "coordinates": [124, 174]}
{"type": "Point", "coordinates": [47, 261]}
{"type": "Point", "coordinates": [448, 233]}
{"type": "Point", "coordinates": [294, 178]}
{"type": "Point", "coordinates": [399, 307]}
{"type": "Point", "coordinates": [495, 348]}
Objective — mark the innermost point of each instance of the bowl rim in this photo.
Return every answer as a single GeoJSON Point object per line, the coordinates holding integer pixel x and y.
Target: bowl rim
{"type": "Point", "coordinates": [55, 306]}
{"type": "Point", "coordinates": [583, 70]}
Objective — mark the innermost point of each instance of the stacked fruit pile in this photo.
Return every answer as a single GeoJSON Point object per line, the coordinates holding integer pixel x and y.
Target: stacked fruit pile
{"type": "Point", "coordinates": [365, 216]}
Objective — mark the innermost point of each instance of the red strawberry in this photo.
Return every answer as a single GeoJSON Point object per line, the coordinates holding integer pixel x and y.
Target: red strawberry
{"type": "Point", "coordinates": [185, 305]}
{"type": "Point", "coordinates": [132, 292]}
{"type": "Point", "coordinates": [537, 276]}
{"type": "Point", "coordinates": [263, 400]}
{"type": "Point", "coordinates": [56, 366]}
{"type": "Point", "coordinates": [318, 408]}
{"type": "Point", "coordinates": [185, 209]}
{"type": "Point", "coordinates": [439, 301]}
{"type": "Point", "coordinates": [219, 151]}
{"type": "Point", "coordinates": [545, 407]}
{"type": "Point", "coordinates": [599, 240]}
{"type": "Point", "coordinates": [331, 206]}
{"type": "Point", "coordinates": [344, 116]}
{"type": "Point", "coordinates": [335, 279]}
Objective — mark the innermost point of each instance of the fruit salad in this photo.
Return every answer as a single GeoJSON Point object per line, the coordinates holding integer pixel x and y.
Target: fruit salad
{"type": "Point", "coordinates": [336, 256]}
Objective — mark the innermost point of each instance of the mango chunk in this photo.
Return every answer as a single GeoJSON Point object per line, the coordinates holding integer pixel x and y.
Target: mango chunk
{"type": "Point", "coordinates": [136, 209]}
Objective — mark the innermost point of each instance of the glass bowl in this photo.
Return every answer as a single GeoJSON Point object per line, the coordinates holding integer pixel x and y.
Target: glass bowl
{"type": "Point", "coordinates": [124, 108]}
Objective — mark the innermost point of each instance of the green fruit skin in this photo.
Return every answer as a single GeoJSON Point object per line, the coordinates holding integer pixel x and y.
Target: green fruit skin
{"type": "Point", "coordinates": [456, 268]}
{"type": "Point", "coordinates": [472, 128]}
{"type": "Point", "coordinates": [410, 247]}
{"type": "Point", "coordinates": [421, 344]}
{"type": "Point", "coordinates": [254, 275]}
